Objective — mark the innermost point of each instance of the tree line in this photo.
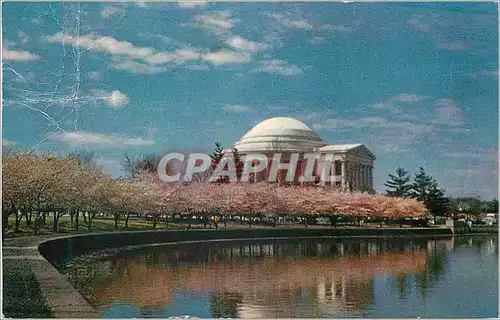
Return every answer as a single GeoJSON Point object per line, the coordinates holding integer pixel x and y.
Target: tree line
{"type": "Point", "coordinates": [37, 186]}
{"type": "Point", "coordinates": [425, 188]}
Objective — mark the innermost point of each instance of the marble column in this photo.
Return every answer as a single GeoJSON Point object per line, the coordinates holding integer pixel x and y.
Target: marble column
{"type": "Point", "coordinates": [371, 176]}
{"type": "Point", "coordinates": [368, 182]}
{"type": "Point", "coordinates": [365, 176]}
{"type": "Point", "coordinates": [343, 175]}
{"type": "Point", "coordinates": [332, 172]}
{"type": "Point", "coordinates": [362, 180]}
{"type": "Point", "coordinates": [323, 172]}
{"type": "Point", "coordinates": [354, 175]}
{"type": "Point", "coordinates": [358, 175]}
{"type": "Point", "coordinates": [302, 169]}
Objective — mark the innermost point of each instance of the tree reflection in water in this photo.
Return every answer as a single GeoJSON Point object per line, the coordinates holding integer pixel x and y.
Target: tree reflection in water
{"type": "Point", "coordinates": [265, 279]}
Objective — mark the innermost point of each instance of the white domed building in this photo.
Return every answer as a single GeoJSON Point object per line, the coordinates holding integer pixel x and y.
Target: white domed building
{"type": "Point", "coordinates": [351, 165]}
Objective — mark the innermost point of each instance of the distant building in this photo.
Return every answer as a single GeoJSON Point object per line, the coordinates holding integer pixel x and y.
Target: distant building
{"type": "Point", "coordinates": [351, 164]}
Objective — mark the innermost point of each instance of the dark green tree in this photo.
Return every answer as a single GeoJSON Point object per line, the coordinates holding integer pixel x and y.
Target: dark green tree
{"type": "Point", "coordinates": [436, 202]}
{"type": "Point", "coordinates": [216, 157]}
{"type": "Point", "coordinates": [421, 185]}
{"type": "Point", "coordinates": [399, 184]}
{"type": "Point", "coordinates": [426, 189]}
{"type": "Point", "coordinates": [238, 163]}
{"type": "Point", "coordinates": [217, 154]}
{"type": "Point", "coordinates": [492, 206]}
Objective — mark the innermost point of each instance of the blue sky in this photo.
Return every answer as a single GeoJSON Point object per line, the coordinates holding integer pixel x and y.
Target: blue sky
{"type": "Point", "coordinates": [417, 83]}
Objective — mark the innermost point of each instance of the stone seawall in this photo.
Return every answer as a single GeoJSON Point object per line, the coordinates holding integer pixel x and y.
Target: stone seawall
{"type": "Point", "coordinates": [63, 248]}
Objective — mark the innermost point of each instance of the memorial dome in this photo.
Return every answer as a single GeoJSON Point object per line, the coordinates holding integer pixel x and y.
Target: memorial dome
{"type": "Point", "coordinates": [280, 134]}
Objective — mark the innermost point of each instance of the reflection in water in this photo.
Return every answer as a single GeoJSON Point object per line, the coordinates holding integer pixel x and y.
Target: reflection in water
{"type": "Point", "coordinates": [267, 279]}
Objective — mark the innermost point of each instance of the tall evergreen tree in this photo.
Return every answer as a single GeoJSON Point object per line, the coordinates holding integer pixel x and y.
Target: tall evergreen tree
{"type": "Point", "coordinates": [399, 184]}
{"type": "Point", "coordinates": [217, 154]}
{"type": "Point", "coordinates": [426, 189]}
{"type": "Point", "coordinates": [436, 202]}
{"type": "Point", "coordinates": [421, 184]}
{"type": "Point", "coordinates": [238, 163]}
{"type": "Point", "coordinates": [216, 157]}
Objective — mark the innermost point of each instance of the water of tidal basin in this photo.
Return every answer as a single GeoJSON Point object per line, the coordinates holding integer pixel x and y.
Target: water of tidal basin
{"type": "Point", "coordinates": [451, 277]}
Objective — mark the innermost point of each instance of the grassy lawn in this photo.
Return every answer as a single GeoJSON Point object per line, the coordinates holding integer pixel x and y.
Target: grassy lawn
{"type": "Point", "coordinates": [22, 297]}
{"type": "Point", "coordinates": [99, 224]}
{"type": "Point", "coordinates": [107, 224]}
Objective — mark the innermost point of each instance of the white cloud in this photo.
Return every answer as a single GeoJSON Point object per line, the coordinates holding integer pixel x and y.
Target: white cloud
{"type": "Point", "coordinates": [94, 139]}
{"type": "Point", "coordinates": [394, 102]}
{"type": "Point", "coordinates": [102, 44]}
{"type": "Point", "coordinates": [303, 24]}
{"type": "Point", "coordinates": [290, 23]}
{"type": "Point", "coordinates": [488, 73]}
{"type": "Point", "coordinates": [12, 55]}
{"type": "Point", "coordinates": [279, 67]}
{"type": "Point", "coordinates": [142, 4]}
{"type": "Point", "coordinates": [217, 19]}
{"type": "Point", "coordinates": [177, 56]}
{"type": "Point", "coordinates": [407, 97]}
{"type": "Point", "coordinates": [126, 56]}
{"type": "Point", "coordinates": [237, 108]}
{"type": "Point", "coordinates": [114, 99]}
{"type": "Point", "coordinates": [453, 46]}
{"type": "Point", "coordinates": [226, 57]}
{"type": "Point", "coordinates": [446, 30]}
{"type": "Point", "coordinates": [448, 113]}
{"type": "Point", "coordinates": [339, 28]}
{"type": "Point", "coordinates": [242, 44]}
{"type": "Point", "coordinates": [192, 4]}
{"type": "Point", "coordinates": [109, 11]}
{"type": "Point", "coordinates": [136, 67]}
{"type": "Point", "coordinates": [297, 24]}
{"type": "Point", "coordinates": [332, 124]}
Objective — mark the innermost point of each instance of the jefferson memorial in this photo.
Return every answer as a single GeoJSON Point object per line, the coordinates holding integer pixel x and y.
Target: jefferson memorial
{"type": "Point", "coordinates": [351, 165]}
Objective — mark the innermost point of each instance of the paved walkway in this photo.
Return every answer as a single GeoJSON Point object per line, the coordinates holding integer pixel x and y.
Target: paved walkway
{"type": "Point", "coordinates": [61, 297]}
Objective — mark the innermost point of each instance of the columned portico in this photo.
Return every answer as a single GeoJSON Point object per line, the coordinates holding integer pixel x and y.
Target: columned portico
{"type": "Point", "coordinates": [346, 166]}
